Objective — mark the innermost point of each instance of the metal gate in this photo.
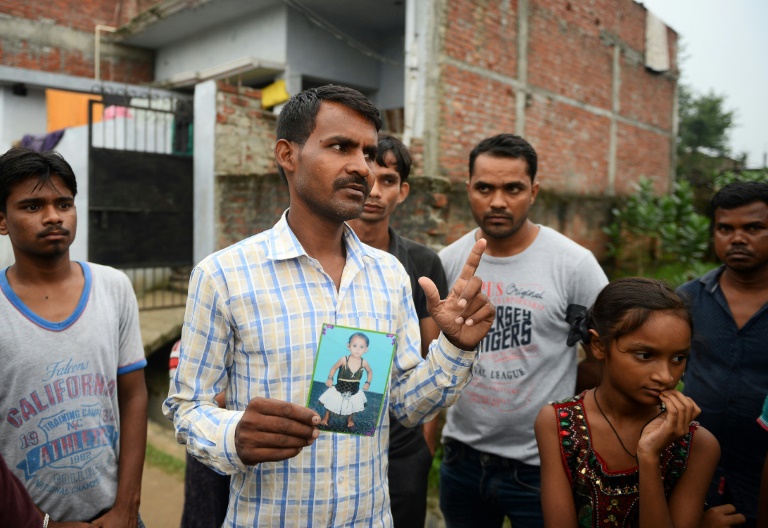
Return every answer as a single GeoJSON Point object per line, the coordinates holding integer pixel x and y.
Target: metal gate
{"type": "Point", "coordinates": [140, 193]}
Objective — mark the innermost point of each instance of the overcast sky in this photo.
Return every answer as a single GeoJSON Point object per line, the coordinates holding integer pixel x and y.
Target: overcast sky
{"type": "Point", "coordinates": [725, 50]}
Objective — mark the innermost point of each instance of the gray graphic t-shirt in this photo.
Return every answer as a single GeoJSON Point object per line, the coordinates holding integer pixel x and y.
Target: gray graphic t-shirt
{"type": "Point", "coordinates": [61, 427]}
{"type": "Point", "coordinates": [524, 361]}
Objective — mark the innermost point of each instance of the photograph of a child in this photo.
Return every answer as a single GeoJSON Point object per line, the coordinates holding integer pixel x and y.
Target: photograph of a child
{"type": "Point", "coordinates": [351, 374]}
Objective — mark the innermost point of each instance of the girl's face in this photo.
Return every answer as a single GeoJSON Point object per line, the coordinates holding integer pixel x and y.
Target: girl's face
{"type": "Point", "coordinates": [357, 346]}
{"type": "Point", "coordinates": [650, 359]}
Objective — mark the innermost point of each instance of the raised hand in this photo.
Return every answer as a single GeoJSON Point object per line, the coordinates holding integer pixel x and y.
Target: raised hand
{"type": "Point", "coordinates": [272, 430]}
{"type": "Point", "coordinates": [465, 316]}
{"type": "Point", "coordinates": [668, 426]}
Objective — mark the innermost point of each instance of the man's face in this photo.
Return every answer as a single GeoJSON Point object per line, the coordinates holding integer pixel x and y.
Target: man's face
{"type": "Point", "coordinates": [741, 236]}
{"type": "Point", "coordinates": [500, 194]}
{"type": "Point", "coordinates": [387, 193]}
{"type": "Point", "coordinates": [332, 172]}
{"type": "Point", "coordinates": [42, 221]}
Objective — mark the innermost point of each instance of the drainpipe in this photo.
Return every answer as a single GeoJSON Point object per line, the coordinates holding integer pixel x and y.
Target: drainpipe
{"type": "Point", "coordinates": [97, 46]}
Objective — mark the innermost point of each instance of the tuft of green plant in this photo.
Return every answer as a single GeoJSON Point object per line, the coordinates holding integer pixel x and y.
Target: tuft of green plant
{"type": "Point", "coordinates": [724, 178]}
{"type": "Point", "coordinates": [434, 471]}
{"type": "Point", "coordinates": [168, 463]}
{"type": "Point", "coordinates": [649, 230]}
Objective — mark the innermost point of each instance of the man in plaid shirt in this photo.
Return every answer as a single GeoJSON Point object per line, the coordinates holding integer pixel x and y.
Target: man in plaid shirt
{"type": "Point", "coordinates": [253, 321]}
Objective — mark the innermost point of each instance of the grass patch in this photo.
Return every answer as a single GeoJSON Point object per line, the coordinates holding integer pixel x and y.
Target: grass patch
{"type": "Point", "coordinates": [164, 461]}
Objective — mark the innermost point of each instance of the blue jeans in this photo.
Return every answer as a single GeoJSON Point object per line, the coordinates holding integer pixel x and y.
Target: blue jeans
{"type": "Point", "coordinates": [479, 489]}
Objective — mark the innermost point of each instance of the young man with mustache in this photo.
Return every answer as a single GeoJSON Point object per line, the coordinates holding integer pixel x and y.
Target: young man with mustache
{"type": "Point", "coordinates": [410, 451]}
{"type": "Point", "coordinates": [531, 273]}
{"type": "Point", "coordinates": [74, 396]}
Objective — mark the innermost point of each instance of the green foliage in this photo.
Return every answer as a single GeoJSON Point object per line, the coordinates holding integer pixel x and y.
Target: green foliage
{"type": "Point", "coordinates": [650, 230]}
{"type": "Point", "coordinates": [702, 141]}
{"type": "Point", "coordinates": [169, 464]}
{"type": "Point", "coordinates": [434, 471]}
{"type": "Point", "coordinates": [704, 122]}
{"type": "Point", "coordinates": [723, 179]}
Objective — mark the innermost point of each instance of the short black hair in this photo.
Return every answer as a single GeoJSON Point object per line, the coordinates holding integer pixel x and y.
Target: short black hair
{"type": "Point", "coordinates": [19, 164]}
{"type": "Point", "coordinates": [361, 336]}
{"type": "Point", "coordinates": [391, 144]}
{"type": "Point", "coordinates": [297, 118]}
{"type": "Point", "coordinates": [506, 146]}
{"type": "Point", "coordinates": [738, 194]}
{"type": "Point", "coordinates": [625, 304]}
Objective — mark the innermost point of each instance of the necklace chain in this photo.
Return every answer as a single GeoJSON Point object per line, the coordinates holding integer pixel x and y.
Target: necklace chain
{"type": "Point", "coordinates": [594, 396]}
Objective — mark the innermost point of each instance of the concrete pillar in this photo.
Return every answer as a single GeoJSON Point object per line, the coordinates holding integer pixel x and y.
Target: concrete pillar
{"type": "Point", "coordinates": [522, 64]}
{"type": "Point", "coordinates": [615, 108]}
{"type": "Point", "coordinates": [204, 170]}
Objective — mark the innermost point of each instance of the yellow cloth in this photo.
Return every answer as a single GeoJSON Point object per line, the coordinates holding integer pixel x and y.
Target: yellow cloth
{"type": "Point", "coordinates": [274, 94]}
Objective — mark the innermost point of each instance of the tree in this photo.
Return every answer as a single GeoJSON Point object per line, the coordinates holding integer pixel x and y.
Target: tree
{"type": "Point", "coordinates": [702, 141]}
{"type": "Point", "coordinates": [704, 123]}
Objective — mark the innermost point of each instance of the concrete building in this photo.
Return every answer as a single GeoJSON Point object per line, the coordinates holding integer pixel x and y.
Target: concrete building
{"type": "Point", "coordinates": [585, 82]}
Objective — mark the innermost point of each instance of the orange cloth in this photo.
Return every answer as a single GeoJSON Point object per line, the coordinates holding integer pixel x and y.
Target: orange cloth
{"type": "Point", "coordinates": [70, 109]}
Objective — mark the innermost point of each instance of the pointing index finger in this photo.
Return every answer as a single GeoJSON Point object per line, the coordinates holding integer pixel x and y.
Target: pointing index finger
{"type": "Point", "coordinates": [473, 260]}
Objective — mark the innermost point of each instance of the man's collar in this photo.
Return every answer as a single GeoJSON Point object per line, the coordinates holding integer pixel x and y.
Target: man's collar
{"type": "Point", "coordinates": [394, 241]}
{"type": "Point", "coordinates": [711, 279]}
{"type": "Point", "coordinates": [283, 244]}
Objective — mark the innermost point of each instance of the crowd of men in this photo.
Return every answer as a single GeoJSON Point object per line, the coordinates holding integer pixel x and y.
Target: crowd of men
{"type": "Point", "coordinates": [480, 329]}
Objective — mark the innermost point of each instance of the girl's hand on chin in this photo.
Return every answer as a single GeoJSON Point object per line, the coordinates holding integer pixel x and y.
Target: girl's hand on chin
{"type": "Point", "coordinates": [668, 426]}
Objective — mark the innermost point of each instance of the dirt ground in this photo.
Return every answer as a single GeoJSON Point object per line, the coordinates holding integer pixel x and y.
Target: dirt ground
{"type": "Point", "coordinates": [162, 493]}
{"type": "Point", "coordinates": [162, 497]}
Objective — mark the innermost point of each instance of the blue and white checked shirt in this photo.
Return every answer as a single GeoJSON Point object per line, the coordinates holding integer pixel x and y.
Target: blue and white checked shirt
{"type": "Point", "coordinates": [252, 325]}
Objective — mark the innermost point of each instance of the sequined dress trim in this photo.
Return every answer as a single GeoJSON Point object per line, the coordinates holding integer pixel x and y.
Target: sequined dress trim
{"type": "Point", "coordinates": [608, 498]}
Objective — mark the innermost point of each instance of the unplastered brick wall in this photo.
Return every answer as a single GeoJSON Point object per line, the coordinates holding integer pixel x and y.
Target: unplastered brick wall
{"type": "Point", "coordinates": [250, 196]}
{"type": "Point", "coordinates": [245, 132]}
{"type": "Point", "coordinates": [83, 15]}
{"type": "Point", "coordinates": [58, 37]}
{"type": "Point", "coordinates": [570, 76]}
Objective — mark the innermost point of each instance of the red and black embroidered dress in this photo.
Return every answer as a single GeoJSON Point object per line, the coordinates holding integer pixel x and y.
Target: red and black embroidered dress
{"type": "Point", "coordinates": [608, 498]}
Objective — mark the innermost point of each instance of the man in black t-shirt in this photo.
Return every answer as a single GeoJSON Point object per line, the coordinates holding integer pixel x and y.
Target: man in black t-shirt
{"type": "Point", "coordinates": [410, 449]}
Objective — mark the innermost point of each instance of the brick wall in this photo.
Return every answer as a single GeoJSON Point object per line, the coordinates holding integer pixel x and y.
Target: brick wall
{"type": "Point", "coordinates": [597, 118]}
{"type": "Point", "coordinates": [82, 15]}
{"type": "Point", "coordinates": [247, 204]}
{"type": "Point", "coordinates": [245, 133]}
{"type": "Point", "coordinates": [250, 196]}
{"type": "Point", "coordinates": [58, 37]}
{"type": "Point", "coordinates": [569, 89]}
{"type": "Point", "coordinates": [472, 107]}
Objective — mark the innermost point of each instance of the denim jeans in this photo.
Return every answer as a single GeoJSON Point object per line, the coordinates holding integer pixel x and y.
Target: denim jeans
{"type": "Point", "coordinates": [479, 489]}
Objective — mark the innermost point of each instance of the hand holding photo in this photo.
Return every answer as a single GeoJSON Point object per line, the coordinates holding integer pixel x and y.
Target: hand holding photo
{"type": "Point", "coordinates": [351, 373]}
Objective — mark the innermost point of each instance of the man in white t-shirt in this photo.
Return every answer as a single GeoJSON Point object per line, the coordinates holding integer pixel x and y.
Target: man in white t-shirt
{"type": "Point", "coordinates": [531, 274]}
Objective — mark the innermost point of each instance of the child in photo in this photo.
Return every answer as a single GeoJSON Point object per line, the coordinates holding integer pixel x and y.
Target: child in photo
{"type": "Point", "coordinates": [346, 398]}
{"type": "Point", "coordinates": [627, 453]}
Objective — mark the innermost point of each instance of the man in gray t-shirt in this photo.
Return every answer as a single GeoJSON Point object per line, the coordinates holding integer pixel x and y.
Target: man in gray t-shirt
{"type": "Point", "coordinates": [74, 400]}
{"type": "Point", "coordinates": [531, 274]}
